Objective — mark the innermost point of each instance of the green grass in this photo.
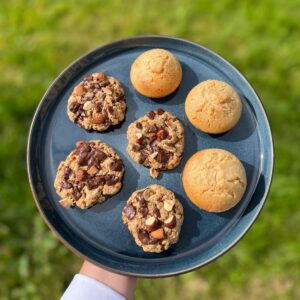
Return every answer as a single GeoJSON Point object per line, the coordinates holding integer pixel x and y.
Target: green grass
{"type": "Point", "coordinates": [39, 38]}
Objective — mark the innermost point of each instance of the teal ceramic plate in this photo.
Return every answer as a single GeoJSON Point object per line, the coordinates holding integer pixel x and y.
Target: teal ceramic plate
{"type": "Point", "coordinates": [97, 234]}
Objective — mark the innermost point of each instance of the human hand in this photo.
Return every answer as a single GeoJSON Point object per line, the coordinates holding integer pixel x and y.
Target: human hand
{"type": "Point", "coordinates": [124, 285]}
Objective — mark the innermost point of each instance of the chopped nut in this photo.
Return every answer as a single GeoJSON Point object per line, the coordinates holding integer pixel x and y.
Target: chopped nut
{"type": "Point", "coordinates": [157, 234]}
{"type": "Point", "coordinates": [170, 222]}
{"type": "Point", "coordinates": [88, 105]}
{"type": "Point", "coordinates": [168, 123]}
{"type": "Point", "coordinates": [168, 205]}
{"type": "Point", "coordinates": [153, 172]}
{"type": "Point", "coordinates": [139, 135]}
{"type": "Point", "coordinates": [147, 194]}
{"type": "Point", "coordinates": [101, 76]}
{"type": "Point", "coordinates": [79, 90]}
{"type": "Point", "coordinates": [151, 224]}
{"type": "Point", "coordinates": [98, 118]}
{"type": "Point", "coordinates": [79, 143]}
{"type": "Point", "coordinates": [92, 170]}
{"type": "Point", "coordinates": [65, 203]}
{"type": "Point", "coordinates": [107, 91]}
{"type": "Point", "coordinates": [162, 134]}
{"type": "Point", "coordinates": [153, 155]}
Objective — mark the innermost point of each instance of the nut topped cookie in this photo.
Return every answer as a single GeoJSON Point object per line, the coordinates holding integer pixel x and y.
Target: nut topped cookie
{"type": "Point", "coordinates": [156, 73]}
{"type": "Point", "coordinates": [154, 217]}
{"type": "Point", "coordinates": [91, 173]}
{"type": "Point", "coordinates": [97, 102]}
{"type": "Point", "coordinates": [156, 140]}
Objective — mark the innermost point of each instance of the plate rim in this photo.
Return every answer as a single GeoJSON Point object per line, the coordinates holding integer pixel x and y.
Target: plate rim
{"type": "Point", "coordinates": [268, 181]}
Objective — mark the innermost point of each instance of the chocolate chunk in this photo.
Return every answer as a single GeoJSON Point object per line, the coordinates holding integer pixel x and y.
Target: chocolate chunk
{"type": "Point", "coordinates": [116, 165]}
{"type": "Point", "coordinates": [76, 194]}
{"type": "Point", "coordinates": [162, 134]}
{"type": "Point", "coordinates": [66, 185]}
{"type": "Point", "coordinates": [83, 158]}
{"type": "Point", "coordinates": [143, 157]}
{"type": "Point", "coordinates": [74, 107]}
{"type": "Point", "coordinates": [140, 196]}
{"type": "Point", "coordinates": [98, 107]}
{"type": "Point", "coordinates": [96, 87]}
{"type": "Point", "coordinates": [152, 224]}
{"type": "Point", "coordinates": [136, 148]}
{"type": "Point", "coordinates": [140, 140]}
{"type": "Point", "coordinates": [66, 173]}
{"type": "Point", "coordinates": [152, 138]}
{"type": "Point", "coordinates": [111, 109]}
{"type": "Point", "coordinates": [170, 145]}
{"type": "Point", "coordinates": [120, 97]}
{"type": "Point", "coordinates": [80, 186]}
{"type": "Point", "coordinates": [111, 179]}
{"type": "Point", "coordinates": [85, 147]}
{"type": "Point", "coordinates": [157, 212]}
{"type": "Point", "coordinates": [95, 182]}
{"type": "Point", "coordinates": [81, 175]}
{"type": "Point", "coordinates": [154, 147]}
{"type": "Point", "coordinates": [145, 238]}
{"type": "Point", "coordinates": [97, 158]}
{"type": "Point", "coordinates": [129, 211]}
{"type": "Point", "coordinates": [162, 156]}
{"type": "Point", "coordinates": [151, 115]}
{"type": "Point", "coordinates": [104, 83]}
{"type": "Point", "coordinates": [143, 210]}
{"type": "Point", "coordinates": [160, 111]}
{"type": "Point", "coordinates": [153, 129]}
{"type": "Point", "coordinates": [100, 155]}
{"type": "Point", "coordinates": [105, 116]}
{"type": "Point", "coordinates": [139, 125]}
{"type": "Point", "coordinates": [81, 116]}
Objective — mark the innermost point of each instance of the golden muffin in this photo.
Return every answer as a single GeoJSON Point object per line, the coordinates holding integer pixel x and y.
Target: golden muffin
{"type": "Point", "coordinates": [214, 180]}
{"type": "Point", "coordinates": [213, 106]}
{"type": "Point", "coordinates": [156, 73]}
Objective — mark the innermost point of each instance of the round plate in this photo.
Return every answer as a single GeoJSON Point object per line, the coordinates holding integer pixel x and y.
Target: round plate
{"type": "Point", "coordinates": [98, 234]}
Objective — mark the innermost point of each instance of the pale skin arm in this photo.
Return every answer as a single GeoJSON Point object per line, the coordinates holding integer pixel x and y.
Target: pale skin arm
{"type": "Point", "coordinates": [124, 285]}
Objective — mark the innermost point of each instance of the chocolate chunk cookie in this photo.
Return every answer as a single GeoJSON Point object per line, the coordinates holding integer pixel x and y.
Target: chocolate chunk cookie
{"type": "Point", "coordinates": [97, 102]}
{"type": "Point", "coordinates": [154, 217]}
{"type": "Point", "coordinates": [91, 173]}
{"type": "Point", "coordinates": [156, 140]}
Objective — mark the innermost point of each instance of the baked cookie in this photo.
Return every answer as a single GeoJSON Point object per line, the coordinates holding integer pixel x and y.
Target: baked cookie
{"type": "Point", "coordinates": [156, 140]}
{"type": "Point", "coordinates": [154, 217]}
{"type": "Point", "coordinates": [156, 73]}
{"type": "Point", "coordinates": [91, 173]}
{"type": "Point", "coordinates": [214, 180]}
{"type": "Point", "coordinates": [213, 106]}
{"type": "Point", "coordinates": [97, 102]}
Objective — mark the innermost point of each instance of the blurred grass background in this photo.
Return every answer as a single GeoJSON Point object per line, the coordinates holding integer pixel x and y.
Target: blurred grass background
{"type": "Point", "coordinates": [262, 38]}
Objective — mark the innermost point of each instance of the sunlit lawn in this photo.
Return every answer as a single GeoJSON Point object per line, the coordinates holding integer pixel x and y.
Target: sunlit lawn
{"type": "Point", "coordinates": [39, 38]}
